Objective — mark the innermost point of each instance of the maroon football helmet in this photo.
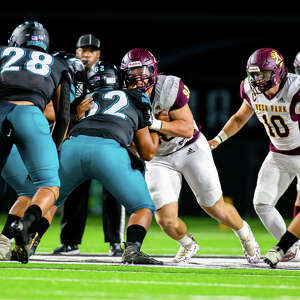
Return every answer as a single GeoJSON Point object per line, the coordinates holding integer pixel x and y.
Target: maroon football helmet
{"type": "Point", "coordinates": [265, 69]}
{"type": "Point", "coordinates": [140, 69]}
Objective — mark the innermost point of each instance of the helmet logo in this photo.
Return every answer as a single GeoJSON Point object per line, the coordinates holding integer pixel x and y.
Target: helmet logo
{"type": "Point", "coordinates": [276, 56]}
{"type": "Point", "coordinates": [253, 69]}
{"type": "Point", "coordinates": [134, 64]}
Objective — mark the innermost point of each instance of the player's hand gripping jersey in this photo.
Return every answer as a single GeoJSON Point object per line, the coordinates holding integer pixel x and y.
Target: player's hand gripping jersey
{"type": "Point", "coordinates": [170, 94]}
{"type": "Point", "coordinates": [29, 75]}
{"type": "Point", "coordinates": [278, 115]}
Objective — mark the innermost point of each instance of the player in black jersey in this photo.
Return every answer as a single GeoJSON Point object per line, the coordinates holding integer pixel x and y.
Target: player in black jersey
{"type": "Point", "coordinates": [75, 209]}
{"type": "Point", "coordinates": [15, 173]}
{"type": "Point", "coordinates": [98, 148]}
{"type": "Point", "coordinates": [30, 78]}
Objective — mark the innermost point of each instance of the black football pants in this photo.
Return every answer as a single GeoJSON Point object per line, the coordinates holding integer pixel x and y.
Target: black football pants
{"type": "Point", "coordinates": [74, 216]}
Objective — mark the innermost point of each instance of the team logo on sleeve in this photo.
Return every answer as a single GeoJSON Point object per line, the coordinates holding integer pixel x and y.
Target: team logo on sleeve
{"type": "Point", "coordinates": [186, 91]}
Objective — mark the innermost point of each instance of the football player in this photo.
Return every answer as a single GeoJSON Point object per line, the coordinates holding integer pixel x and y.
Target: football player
{"type": "Point", "coordinates": [183, 152]}
{"type": "Point", "coordinates": [16, 175]}
{"type": "Point", "coordinates": [30, 77]}
{"type": "Point", "coordinates": [297, 202]}
{"type": "Point", "coordinates": [98, 148]}
{"type": "Point", "coordinates": [273, 95]}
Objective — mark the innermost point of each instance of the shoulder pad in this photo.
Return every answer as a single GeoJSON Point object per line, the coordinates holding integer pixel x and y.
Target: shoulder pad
{"type": "Point", "coordinates": [292, 84]}
{"type": "Point", "coordinates": [166, 91]}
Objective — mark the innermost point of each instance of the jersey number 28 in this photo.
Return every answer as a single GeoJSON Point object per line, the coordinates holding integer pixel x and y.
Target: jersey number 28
{"type": "Point", "coordinates": [38, 62]}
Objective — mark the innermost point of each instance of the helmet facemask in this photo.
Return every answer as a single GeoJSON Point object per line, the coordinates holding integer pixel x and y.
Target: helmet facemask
{"type": "Point", "coordinates": [140, 69]}
{"type": "Point", "coordinates": [143, 77]}
{"type": "Point", "coordinates": [261, 80]}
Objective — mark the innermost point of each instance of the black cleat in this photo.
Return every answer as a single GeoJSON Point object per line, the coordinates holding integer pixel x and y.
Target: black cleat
{"type": "Point", "coordinates": [33, 243]}
{"type": "Point", "coordinates": [14, 255]}
{"type": "Point", "coordinates": [22, 250]}
{"type": "Point", "coordinates": [115, 249]}
{"type": "Point", "coordinates": [66, 250]}
{"type": "Point", "coordinates": [132, 255]}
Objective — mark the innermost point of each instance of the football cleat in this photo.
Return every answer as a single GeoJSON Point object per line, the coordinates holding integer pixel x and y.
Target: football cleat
{"type": "Point", "coordinates": [292, 254]}
{"type": "Point", "coordinates": [273, 257]}
{"type": "Point", "coordinates": [115, 249]}
{"type": "Point", "coordinates": [132, 255]}
{"type": "Point", "coordinates": [251, 248]}
{"type": "Point", "coordinates": [21, 237]}
{"type": "Point", "coordinates": [5, 248]}
{"type": "Point", "coordinates": [66, 250]}
{"type": "Point", "coordinates": [33, 243]}
{"type": "Point", "coordinates": [185, 253]}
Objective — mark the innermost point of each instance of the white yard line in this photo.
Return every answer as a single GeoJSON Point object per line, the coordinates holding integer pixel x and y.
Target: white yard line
{"type": "Point", "coordinates": [149, 282]}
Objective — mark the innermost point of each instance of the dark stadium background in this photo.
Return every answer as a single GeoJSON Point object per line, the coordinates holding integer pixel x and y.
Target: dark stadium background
{"type": "Point", "coordinates": [208, 49]}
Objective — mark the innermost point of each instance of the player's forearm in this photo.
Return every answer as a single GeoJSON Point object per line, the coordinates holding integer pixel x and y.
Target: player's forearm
{"type": "Point", "coordinates": [233, 125]}
{"type": "Point", "coordinates": [178, 128]}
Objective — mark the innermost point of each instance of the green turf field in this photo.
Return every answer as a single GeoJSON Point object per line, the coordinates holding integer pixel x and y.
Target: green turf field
{"type": "Point", "coordinates": [89, 281]}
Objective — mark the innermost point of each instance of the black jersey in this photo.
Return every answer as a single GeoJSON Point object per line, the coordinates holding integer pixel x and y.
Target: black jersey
{"type": "Point", "coordinates": [29, 75]}
{"type": "Point", "coordinates": [116, 114]}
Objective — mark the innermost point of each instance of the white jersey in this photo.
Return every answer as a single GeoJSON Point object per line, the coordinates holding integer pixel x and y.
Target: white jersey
{"type": "Point", "coordinates": [171, 93]}
{"type": "Point", "coordinates": [278, 114]}
{"type": "Point", "coordinates": [180, 157]}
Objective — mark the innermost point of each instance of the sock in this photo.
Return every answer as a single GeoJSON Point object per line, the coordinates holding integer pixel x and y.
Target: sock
{"type": "Point", "coordinates": [287, 241]}
{"type": "Point", "coordinates": [135, 233]}
{"type": "Point", "coordinates": [32, 214]}
{"type": "Point", "coordinates": [186, 240]}
{"type": "Point", "coordinates": [243, 233]}
{"type": "Point", "coordinates": [6, 228]}
{"type": "Point", "coordinates": [40, 227]}
{"type": "Point", "coordinates": [296, 210]}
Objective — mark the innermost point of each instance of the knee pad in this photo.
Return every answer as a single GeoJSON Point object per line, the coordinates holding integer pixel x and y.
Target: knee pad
{"type": "Point", "coordinates": [262, 209]}
{"type": "Point", "coordinates": [264, 197]}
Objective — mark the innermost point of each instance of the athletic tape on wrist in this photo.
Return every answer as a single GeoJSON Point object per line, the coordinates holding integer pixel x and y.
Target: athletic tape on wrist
{"type": "Point", "coordinates": [156, 125]}
{"type": "Point", "coordinates": [221, 137]}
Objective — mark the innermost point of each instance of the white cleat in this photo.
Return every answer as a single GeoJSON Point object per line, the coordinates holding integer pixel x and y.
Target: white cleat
{"type": "Point", "coordinates": [292, 254]}
{"type": "Point", "coordinates": [251, 248]}
{"type": "Point", "coordinates": [185, 253]}
{"type": "Point", "coordinates": [273, 257]}
{"type": "Point", "coordinates": [5, 248]}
